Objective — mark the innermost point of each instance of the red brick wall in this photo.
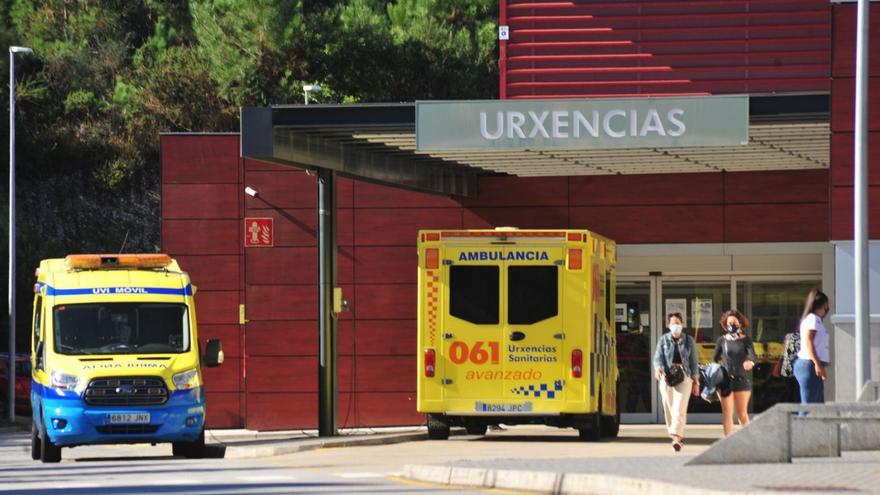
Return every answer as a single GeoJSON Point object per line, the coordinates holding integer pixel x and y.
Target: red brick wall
{"type": "Point", "coordinates": [640, 47]}
{"type": "Point", "coordinates": [271, 378]}
{"type": "Point", "coordinates": [843, 124]}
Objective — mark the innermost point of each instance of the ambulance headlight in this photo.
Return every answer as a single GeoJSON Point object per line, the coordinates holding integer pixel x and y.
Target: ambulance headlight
{"type": "Point", "coordinates": [62, 381]}
{"type": "Point", "coordinates": [186, 380]}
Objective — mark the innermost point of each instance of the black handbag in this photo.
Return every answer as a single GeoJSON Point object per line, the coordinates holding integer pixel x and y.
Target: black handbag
{"type": "Point", "coordinates": [674, 375]}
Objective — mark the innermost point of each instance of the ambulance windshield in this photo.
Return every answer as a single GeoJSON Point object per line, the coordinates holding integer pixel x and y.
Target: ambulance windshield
{"type": "Point", "coordinates": [121, 328]}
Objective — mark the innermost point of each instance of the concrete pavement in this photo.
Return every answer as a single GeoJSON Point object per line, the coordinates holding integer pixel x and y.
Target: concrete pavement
{"type": "Point", "coordinates": [656, 472]}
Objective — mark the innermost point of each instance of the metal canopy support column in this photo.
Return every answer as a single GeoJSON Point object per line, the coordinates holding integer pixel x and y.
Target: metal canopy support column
{"type": "Point", "coordinates": [327, 376]}
{"type": "Point", "coordinates": [862, 309]}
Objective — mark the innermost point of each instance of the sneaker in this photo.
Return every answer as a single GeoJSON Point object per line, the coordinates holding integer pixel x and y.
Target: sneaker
{"type": "Point", "coordinates": [676, 445]}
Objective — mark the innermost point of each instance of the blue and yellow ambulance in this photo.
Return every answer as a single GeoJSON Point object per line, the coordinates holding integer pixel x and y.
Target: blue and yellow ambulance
{"type": "Point", "coordinates": [115, 355]}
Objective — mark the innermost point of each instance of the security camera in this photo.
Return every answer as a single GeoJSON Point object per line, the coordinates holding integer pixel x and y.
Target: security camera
{"type": "Point", "coordinates": [250, 192]}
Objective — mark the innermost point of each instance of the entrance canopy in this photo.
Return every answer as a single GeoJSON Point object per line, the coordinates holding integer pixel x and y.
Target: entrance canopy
{"type": "Point", "coordinates": [378, 143]}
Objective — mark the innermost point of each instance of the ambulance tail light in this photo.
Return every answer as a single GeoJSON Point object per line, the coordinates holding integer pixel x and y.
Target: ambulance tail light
{"type": "Point", "coordinates": [577, 363]}
{"type": "Point", "coordinates": [575, 259]}
{"type": "Point", "coordinates": [99, 261]}
{"type": "Point", "coordinates": [430, 362]}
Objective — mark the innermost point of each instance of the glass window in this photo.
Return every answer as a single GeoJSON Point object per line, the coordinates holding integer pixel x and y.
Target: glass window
{"type": "Point", "coordinates": [38, 311]}
{"type": "Point", "coordinates": [121, 328]}
{"type": "Point", "coordinates": [774, 309]}
{"type": "Point", "coordinates": [532, 294]}
{"type": "Point", "coordinates": [473, 293]}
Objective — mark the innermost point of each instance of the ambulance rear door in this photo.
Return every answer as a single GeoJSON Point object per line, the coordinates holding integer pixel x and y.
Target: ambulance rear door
{"type": "Point", "coordinates": [533, 337]}
{"type": "Point", "coordinates": [472, 329]}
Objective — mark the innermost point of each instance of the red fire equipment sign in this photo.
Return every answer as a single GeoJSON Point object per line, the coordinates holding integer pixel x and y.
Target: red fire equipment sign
{"type": "Point", "coordinates": [259, 232]}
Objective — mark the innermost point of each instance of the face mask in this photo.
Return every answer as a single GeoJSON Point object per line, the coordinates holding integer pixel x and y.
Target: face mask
{"type": "Point", "coordinates": [675, 329]}
{"type": "Point", "coordinates": [733, 329]}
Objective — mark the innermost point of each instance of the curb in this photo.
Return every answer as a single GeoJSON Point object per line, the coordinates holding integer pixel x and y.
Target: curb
{"type": "Point", "coordinates": [263, 449]}
{"type": "Point", "coordinates": [557, 483]}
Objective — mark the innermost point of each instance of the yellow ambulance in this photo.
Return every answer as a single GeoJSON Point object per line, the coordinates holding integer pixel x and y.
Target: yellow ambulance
{"type": "Point", "coordinates": [517, 327]}
{"type": "Point", "coordinates": [115, 355]}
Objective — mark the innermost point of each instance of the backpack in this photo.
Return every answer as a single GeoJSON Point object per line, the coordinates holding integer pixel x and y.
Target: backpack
{"type": "Point", "coordinates": [789, 353]}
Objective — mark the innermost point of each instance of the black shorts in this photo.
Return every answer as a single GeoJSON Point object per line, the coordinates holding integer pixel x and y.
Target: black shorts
{"type": "Point", "coordinates": [736, 384]}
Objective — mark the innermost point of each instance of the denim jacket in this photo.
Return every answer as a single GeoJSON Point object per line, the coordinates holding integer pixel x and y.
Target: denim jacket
{"type": "Point", "coordinates": [663, 354]}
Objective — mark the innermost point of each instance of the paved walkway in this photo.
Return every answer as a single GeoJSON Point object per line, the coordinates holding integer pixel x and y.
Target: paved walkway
{"type": "Point", "coordinates": [853, 473]}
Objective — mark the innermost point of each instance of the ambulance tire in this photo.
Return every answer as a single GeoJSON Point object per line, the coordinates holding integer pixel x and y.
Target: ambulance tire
{"type": "Point", "coordinates": [49, 452]}
{"type": "Point", "coordinates": [476, 428]}
{"type": "Point", "coordinates": [190, 450]}
{"type": "Point", "coordinates": [35, 441]}
{"type": "Point", "coordinates": [437, 428]}
{"type": "Point", "coordinates": [591, 433]}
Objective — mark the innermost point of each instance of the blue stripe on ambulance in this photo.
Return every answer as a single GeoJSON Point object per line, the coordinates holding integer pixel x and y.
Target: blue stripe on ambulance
{"type": "Point", "coordinates": [91, 291]}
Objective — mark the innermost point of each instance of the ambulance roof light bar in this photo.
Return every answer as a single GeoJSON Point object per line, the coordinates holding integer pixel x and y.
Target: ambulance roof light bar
{"type": "Point", "coordinates": [117, 261]}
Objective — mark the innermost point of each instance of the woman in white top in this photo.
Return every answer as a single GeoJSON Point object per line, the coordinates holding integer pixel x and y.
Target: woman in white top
{"type": "Point", "coordinates": [813, 357]}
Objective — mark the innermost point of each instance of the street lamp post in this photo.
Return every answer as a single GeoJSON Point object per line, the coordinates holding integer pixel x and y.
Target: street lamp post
{"type": "Point", "coordinates": [308, 88]}
{"type": "Point", "coordinates": [11, 361]}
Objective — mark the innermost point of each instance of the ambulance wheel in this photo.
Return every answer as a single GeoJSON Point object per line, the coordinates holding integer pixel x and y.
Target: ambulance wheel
{"type": "Point", "coordinates": [437, 428]}
{"type": "Point", "coordinates": [591, 433]}
{"type": "Point", "coordinates": [35, 441]}
{"type": "Point", "coordinates": [476, 428]}
{"type": "Point", "coordinates": [190, 450]}
{"type": "Point", "coordinates": [49, 452]}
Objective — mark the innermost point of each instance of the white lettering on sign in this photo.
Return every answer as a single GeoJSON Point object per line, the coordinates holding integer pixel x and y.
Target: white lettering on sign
{"type": "Point", "coordinates": [563, 124]}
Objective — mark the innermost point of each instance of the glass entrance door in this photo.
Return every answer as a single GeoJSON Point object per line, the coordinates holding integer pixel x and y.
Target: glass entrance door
{"type": "Point", "coordinates": [701, 304]}
{"type": "Point", "coordinates": [635, 345]}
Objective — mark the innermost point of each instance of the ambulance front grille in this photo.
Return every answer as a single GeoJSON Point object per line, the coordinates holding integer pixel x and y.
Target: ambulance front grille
{"type": "Point", "coordinates": [127, 391]}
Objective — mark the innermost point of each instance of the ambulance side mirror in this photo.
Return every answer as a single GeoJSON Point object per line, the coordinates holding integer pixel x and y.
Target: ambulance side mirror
{"type": "Point", "coordinates": [213, 353]}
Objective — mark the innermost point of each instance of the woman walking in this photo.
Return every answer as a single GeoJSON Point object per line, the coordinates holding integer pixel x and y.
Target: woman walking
{"type": "Point", "coordinates": [813, 357]}
{"type": "Point", "coordinates": [737, 353]}
{"type": "Point", "coordinates": [677, 374]}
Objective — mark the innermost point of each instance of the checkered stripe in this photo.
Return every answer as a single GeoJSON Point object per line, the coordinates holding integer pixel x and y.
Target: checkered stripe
{"type": "Point", "coordinates": [433, 295]}
{"type": "Point", "coordinates": [539, 390]}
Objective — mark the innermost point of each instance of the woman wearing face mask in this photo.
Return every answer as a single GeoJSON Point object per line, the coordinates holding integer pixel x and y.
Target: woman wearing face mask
{"type": "Point", "coordinates": [676, 354]}
{"type": "Point", "coordinates": [813, 357]}
{"type": "Point", "coordinates": [737, 353]}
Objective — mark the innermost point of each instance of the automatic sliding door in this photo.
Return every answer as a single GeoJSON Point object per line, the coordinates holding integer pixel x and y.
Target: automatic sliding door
{"type": "Point", "coordinates": [701, 305]}
{"type": "Point", "coordinates": [634, 350]}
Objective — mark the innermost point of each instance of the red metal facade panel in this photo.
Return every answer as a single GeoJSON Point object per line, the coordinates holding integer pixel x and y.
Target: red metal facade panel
{"type": "Point", "coordinates": [224, 409]}
{"type": "Point", "coordinates": [843, 90]}
{"type": "Point", "coordinates": [791, 222]}
{"type": "Point", "coordinates": [549, 217]}
{"type": "Point", "coordinates": [211, 272]}
{"type": "Point", "coordinates": [513, 191]}
{"type": "Point", "coordinates": [805, 186]}
{"type": "Point", "coordinates": [844, 42]}
{"type": "Point", "coordinates": [400, 226]}
{"type": "Point", "coordinates": [386, 265]}
{"type": "Point", "coordinates": [385, 301]}
{"type": "Point", "coordinates": [652, 224]}
{"type": "Point", "coordinates": [217, 307]}
{"type": "Point", "coordinates": [385, 337]}
{"type": "Point", "coordinates": [843, 122]}
{"type": "Point", "coordinates": [649, 189]}
{"type": "Point", "coordinates": [842, 158]}
{"type": "Point", "coordinates": [201, 221]}
{"type": "Point", "coordinates": [195, 201]}
{"type": "Point", "coordinates": [190, 159]}
{"type": "Point", "coordinates": [575, 49]}
{"type": "Point", "coordinates": [842, 212]}
{"type": "Point", "coordinates": [201, 237]}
